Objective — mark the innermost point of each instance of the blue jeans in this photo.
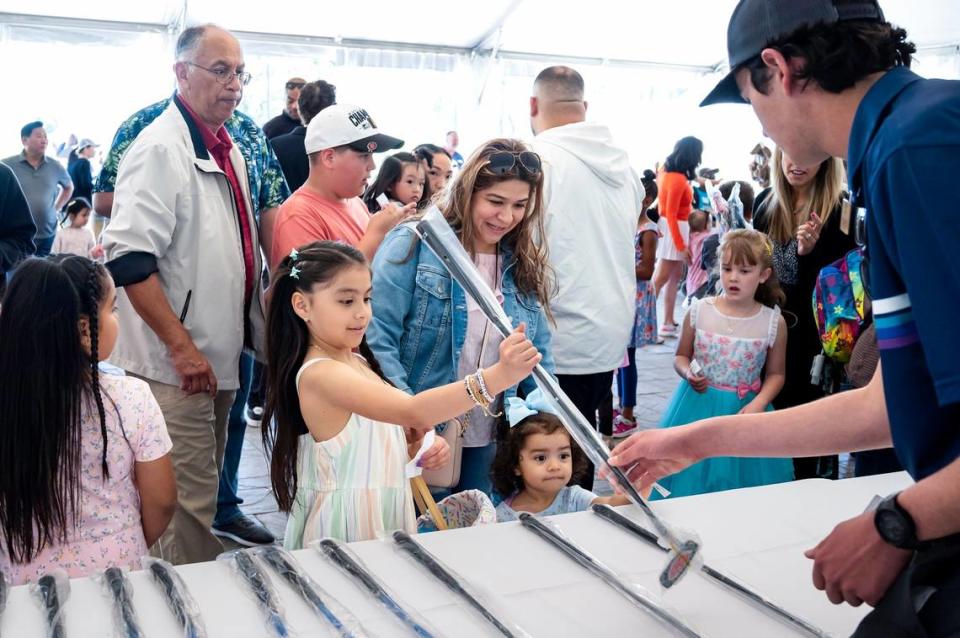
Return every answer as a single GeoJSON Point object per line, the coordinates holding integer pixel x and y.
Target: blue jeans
{"type": "Point", "coordinates": [627, 381]}
{"type": "Point", "coordinates": [228, 503]}
{"type": "Point", "coordinates": [474, 472]}
{"type": "Point", "coordinates": [43, 245]}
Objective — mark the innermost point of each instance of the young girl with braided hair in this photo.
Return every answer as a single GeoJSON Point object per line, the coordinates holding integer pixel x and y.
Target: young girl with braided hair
{"type": "Point", "coordinates": [97, 444]}
{"type": "Point", "coordinates": [343, 433]}
{"type": "Point", "coordinates": [731, 358]}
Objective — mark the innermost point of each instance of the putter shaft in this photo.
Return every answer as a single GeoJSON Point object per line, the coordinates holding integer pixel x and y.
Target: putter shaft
{"type": "Point", "coordinates": [609, 514]}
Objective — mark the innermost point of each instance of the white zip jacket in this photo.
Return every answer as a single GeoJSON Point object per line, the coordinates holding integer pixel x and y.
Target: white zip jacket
{"type": "Point", "coordinates": [592, 200]}
{"type": "Point", "coordinates": [174, 214]}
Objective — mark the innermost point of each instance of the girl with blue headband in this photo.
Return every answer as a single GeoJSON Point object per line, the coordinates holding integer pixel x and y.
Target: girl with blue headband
{"type": "Point", "coordinates": [537, 466]}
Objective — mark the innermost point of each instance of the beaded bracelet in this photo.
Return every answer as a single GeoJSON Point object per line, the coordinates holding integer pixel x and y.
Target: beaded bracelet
{"type": "Point", "coordinates": [483, 387]}
{"type": "Point", "coordinates": [470, 393]}
{"type": "Point", "coordinates": [479, 398]}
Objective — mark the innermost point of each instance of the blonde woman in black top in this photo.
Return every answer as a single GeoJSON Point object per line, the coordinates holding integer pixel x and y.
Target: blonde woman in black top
{"type": "Point", "coordinates": [803, 214]}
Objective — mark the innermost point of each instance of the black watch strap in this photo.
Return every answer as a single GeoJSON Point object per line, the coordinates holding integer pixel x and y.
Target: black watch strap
{"type": "Point", "coordinates": [895, 525]}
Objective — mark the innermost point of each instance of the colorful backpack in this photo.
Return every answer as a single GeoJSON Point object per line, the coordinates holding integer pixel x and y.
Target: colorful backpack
{"type": "Point", "coordinates": [838, 306]}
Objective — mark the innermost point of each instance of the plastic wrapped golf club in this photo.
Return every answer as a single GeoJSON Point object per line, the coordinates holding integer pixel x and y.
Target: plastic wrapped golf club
{"type": "Point", "coordinates": [612, 516]}
{"type": "Point", "coordinates": [52, 590]}
{"type": "Point", "coordinates": [178, 597]}
{"type": "Point", "coordinates": [342, 622]}
{"type": "Point", "coordinates": [344, 559]}
{"type": "Point", "coordinates": [117, 586]}
{"type": "Point", "coordinates": [456, 584]}
{"type": "Point", "coordinates": [549, 532]}
{"type": "Point", "coordinates": [260, 587]}
{"type": "Point", "coordinates": [440, 238]}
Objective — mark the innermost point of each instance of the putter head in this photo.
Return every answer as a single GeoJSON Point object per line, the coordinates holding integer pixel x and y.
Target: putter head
{"type": "Point", "coordinates": [679, 563]}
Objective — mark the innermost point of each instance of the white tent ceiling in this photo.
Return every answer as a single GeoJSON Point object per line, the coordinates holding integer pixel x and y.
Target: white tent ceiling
{"type": "Point", "coordinates": [678, 32]}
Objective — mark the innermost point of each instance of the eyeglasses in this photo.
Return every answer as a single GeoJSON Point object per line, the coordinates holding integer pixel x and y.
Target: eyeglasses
{"type": "Point", "coordinates": [503, 162]}
{"type": "Point", "coordinates": [295, 85]}
{"type": "Point", "coordinates": [224, 76]}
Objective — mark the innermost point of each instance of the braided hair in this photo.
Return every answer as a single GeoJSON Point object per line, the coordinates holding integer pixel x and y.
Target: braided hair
{"type": "Point", "coordinates": [45, 376]}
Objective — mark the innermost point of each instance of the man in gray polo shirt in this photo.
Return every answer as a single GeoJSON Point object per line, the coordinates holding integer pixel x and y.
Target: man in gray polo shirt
{"type": "Point", "coordinates": [41, 179]}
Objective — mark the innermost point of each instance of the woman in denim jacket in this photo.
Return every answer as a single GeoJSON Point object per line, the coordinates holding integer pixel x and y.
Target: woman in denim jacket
{"type": "Point", "coordinates": [425, 331]}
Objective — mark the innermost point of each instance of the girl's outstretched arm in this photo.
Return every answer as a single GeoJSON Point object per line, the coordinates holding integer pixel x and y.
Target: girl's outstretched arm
{"type": "Point", "coordinates": [335, 386]}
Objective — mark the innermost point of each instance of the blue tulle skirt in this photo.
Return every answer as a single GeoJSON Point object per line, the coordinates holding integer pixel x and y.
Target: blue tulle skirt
{"type": "Point", "coordinates": [719, 473]}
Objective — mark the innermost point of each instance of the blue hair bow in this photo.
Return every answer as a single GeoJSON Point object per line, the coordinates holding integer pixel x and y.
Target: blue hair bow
{"type": "Point", "coordinates": [519, 409]}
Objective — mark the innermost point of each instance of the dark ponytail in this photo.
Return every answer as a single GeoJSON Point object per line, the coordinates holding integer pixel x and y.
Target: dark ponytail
{"type": "Point", "coordinates": [287, 341]}
{"type": "Point", "coordinates": [45, 375]}
{"type": "Point", "coordinates": [649, 181]}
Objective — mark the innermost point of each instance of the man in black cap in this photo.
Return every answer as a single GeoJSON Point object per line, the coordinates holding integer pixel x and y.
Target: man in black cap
{"type": "Point", "coordinates": [831, 78]}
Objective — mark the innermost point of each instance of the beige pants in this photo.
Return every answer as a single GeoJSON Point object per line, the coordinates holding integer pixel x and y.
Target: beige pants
{"type": "Point", "coordinates": [197, 426]}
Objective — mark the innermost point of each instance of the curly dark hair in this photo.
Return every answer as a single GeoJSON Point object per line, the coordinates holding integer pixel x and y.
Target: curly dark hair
{"type": "Point", "coordinates": [838, 55]}
{"type": "Point", "coordinates": [503, 473]}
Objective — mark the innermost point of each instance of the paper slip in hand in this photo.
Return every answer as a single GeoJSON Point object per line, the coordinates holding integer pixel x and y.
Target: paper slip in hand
{"type": "Point", "coordinates": [412, 469]}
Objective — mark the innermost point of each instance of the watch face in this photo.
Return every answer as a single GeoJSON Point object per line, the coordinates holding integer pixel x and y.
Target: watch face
{"type": "Point", "coordinates": [893, 528]}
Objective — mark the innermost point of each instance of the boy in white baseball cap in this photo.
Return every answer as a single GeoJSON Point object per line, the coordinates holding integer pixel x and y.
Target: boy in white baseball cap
{"type": "Point", "coordinates": [340, 143]}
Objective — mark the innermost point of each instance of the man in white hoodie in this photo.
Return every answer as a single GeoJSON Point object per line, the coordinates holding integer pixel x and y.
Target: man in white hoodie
{"type": "Point", "coordinates": [592, 199]}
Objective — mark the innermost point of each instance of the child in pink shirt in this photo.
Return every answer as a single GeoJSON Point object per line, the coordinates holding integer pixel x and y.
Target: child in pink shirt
{"type": "Point", "coordinates": [86, 481]}
{"type": "Point", "coordinates": [699, 231]}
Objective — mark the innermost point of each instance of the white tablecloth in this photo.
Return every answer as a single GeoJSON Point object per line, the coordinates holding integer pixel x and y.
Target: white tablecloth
{"type": "Point", "coordinates": [757, 535]}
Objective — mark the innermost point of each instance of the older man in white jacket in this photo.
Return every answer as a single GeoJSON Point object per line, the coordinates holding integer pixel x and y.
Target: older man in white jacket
{"type": "Point", "coordinates": [184, 245]}
{"type": "Point", "coordinates": [592, 200]}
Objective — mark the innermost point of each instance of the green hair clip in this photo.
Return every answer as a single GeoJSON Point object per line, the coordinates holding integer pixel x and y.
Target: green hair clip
{"type": "Point", "coordinates": [295, 273]}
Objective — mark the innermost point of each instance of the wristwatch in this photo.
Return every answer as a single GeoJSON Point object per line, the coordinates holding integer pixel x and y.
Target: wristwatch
{"type": "Point", "coordinates": [895, 525]}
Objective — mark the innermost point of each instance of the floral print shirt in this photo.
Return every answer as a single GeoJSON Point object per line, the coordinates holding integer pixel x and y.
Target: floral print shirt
{"type": "Point", "coordinates": [268, 188]}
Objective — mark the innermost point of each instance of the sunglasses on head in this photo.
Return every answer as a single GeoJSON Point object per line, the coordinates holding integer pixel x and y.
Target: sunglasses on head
{"type": "Point", "coordinates": [503, 162]}
{"type": "Point", "coordinates": [295, 85]}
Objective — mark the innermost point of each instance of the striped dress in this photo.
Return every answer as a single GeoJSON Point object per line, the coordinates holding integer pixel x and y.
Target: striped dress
{"type": "Point", "coordinates": [351, 487]}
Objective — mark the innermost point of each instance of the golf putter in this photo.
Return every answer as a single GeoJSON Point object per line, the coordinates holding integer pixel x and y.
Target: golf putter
{"type": "Point", "coordinates": [440, 238]}
{"type": "Point", "coordinates": [612, 516]}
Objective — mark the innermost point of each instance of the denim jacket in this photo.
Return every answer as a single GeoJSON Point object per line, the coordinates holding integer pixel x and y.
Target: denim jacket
{"type": "Point", "coordinates": [420, 315]}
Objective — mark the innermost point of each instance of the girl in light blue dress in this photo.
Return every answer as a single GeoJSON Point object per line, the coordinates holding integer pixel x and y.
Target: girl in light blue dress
{"type": "Point", "coordinates": [731, 357]}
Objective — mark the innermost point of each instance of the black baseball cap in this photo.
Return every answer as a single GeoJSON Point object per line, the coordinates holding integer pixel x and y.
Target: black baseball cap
{"type": "Point", "coordinates": [756, 23]}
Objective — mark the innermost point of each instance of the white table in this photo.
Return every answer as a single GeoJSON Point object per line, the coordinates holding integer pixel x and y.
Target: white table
{"type": "Point", "coordinates": [757, 535]}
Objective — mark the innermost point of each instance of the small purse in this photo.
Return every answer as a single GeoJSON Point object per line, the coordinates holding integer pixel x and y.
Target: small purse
{"type": "Point", "coordinates": [449, 475]}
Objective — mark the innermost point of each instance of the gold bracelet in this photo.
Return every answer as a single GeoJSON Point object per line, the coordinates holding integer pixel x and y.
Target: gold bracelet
{"type": "Point", "coordinates": [470, 392]}
{"type": "Point", "coordinates": [482, 402]}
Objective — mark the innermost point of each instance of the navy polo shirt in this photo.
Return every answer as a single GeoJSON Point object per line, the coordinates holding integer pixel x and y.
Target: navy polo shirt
{"type": "Point", "coordinates": [904, 161]}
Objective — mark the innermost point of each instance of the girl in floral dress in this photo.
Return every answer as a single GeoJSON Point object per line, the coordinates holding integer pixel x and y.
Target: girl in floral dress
{"type": "Point", "coordinates": [731, 358]}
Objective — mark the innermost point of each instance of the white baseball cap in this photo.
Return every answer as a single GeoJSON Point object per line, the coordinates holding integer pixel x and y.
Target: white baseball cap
{"type": "Point", "coordinates": [347, 125]}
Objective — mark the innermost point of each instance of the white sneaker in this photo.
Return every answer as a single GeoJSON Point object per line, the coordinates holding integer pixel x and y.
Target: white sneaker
{"type": "Point", "coordinates": [669, 331]}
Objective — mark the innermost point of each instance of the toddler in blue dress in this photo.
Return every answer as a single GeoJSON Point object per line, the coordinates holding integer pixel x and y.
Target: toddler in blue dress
{"type": "Point", "coordinates": [537, 467]}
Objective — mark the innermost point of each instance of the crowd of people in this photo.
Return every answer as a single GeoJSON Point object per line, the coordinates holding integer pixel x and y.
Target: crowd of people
{"type": "Point", "coordinates": [230, 273]}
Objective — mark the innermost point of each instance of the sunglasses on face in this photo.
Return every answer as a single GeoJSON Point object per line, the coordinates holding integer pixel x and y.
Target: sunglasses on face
{"type": "Point", "coordinates": [295, 85]}
{"type": "Point", "coordinates": [503, 162]}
